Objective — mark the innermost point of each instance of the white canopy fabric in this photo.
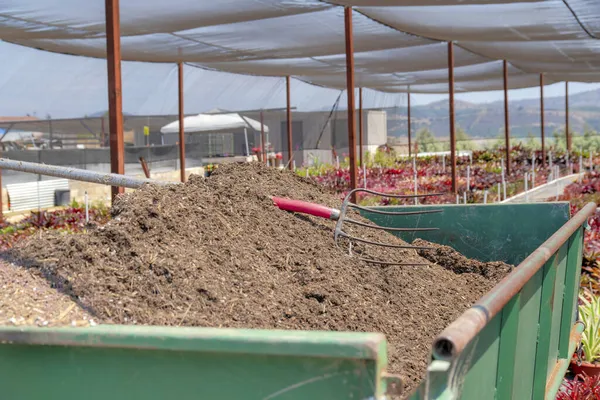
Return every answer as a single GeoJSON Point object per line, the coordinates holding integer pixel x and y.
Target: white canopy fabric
{"type": "Point", "coordinates": [399, 44]}
{"type": "Point", "coordinates": [213, 123]}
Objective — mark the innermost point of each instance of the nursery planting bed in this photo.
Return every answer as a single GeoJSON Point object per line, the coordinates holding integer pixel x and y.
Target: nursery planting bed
{"type": "Point", "coordinates": [216, 252]}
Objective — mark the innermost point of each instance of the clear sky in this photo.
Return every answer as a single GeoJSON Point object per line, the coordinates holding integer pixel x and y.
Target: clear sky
{"type": "Point", "coordinates": [42, 83]}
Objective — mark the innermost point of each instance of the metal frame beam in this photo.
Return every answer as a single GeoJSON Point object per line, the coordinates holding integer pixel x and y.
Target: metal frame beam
{"type": "Point", "coordinates": [409, 126]}
{"type": "Point", "coordinates": [451, 112]}
{"type": "Point", "coordinates": [360, 126]}
{"type": "Point", "coordinates": [115, 100]}
{"type": "Point", "coordinates": [351, 103]}
{"type": "Point", "coordinates": [289, 123]}
{"type": "Point", "coordinates": [181, 124]}
{"type": "Point", "coordinates": [506, 121]}
{"type": "Point", "coordinates": [542, 120]}
{"type": "Point", "coordinates": [567, 133]}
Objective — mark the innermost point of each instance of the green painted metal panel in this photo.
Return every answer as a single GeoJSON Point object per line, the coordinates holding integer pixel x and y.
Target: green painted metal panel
{"type": "Point", "coordinates": [509, 331]}
{"type": "Point", "coordinates": [557, 306]}
{"type": "Point", "coordinates": [487, 232]}
{"type": "Point", "coordinates": [571, 292]}
{"type": "Point", "coordinates": [482, 362]}
{"type": "Point", "coordinates": [159, 363]}
{"type": "Point", "coordinates": [545, 326]}
{"type": "Point", "coordinates": [527, 338]}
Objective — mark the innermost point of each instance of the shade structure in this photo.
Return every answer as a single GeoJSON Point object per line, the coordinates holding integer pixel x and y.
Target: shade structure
{"type": "Point", "coordinates": [398, 43]}
{"type": "Point", "coordinates": [208, 123]}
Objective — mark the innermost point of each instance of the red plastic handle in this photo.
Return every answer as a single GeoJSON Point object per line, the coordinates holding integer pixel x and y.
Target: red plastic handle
{"type": "Point", "coordinates": [306, 208]}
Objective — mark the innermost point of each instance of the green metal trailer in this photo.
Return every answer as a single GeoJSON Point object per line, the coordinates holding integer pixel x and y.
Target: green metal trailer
{"type": "Point", "coordinates": [515, 343]}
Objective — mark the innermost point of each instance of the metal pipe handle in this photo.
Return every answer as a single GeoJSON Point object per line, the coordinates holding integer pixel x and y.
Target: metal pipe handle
{"type": "Point", "coordinates": [79, 174]}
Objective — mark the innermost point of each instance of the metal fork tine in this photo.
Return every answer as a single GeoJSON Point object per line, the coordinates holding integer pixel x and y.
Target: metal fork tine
{"type": "Point", "coordinates": [338, 232]}
{"type": "Point", "coordinates": [369, 260]}
{"type": "Point", "coordinates": [374, 211]}
{"type": "Point", "coordinates": [395, 196]}
{"type": "Point", "coordinates": [384, 228]}
{"type": "Point", "coordinates": [397, 246]}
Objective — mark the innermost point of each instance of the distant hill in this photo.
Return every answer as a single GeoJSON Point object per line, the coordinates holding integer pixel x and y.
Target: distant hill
{"type": "Point", "coordinates": [487, 120]}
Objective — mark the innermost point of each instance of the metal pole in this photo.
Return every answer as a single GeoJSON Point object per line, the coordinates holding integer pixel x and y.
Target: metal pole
{"type": "Point", "coordinates": [542, 119]}
{"type": "Point", "coordinates": [351, 105]}
{"type": "Point", "coordinates": [451, 103]}
{"type": "Point", "coordinates": [115, 100]}
{"type": "Point", "coordinates": [360, 125]}
{"type": "Point", "coordinates": [77, 174]}
{"type": "Point", "coordinates": [408, 109]}
{"type": "Point", "coordinates": [51, 132]}
{"type": "Point", "coordinates": [289, 122]}
{"type": "Point", "coordinates": [181, 125]}
{"type": "Point", "coordinates": [506, 123]}
{"type": "Point", "coordinates": [262, 137]}
{"type": "Point", "coordinates": [145, 167]}
{"type": "Point", "coordinates": [246, 142]}
{"type": "Point", "coordinates": [567, 117]}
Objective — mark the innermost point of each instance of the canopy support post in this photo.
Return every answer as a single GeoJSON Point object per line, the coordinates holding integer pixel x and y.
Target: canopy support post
{"type": "Point", "coordinates": [409, 130]}
{"type": "Point", "coordinates": [542, 119]}
{"type": "Point", "coordinates": [567, 133]}
{"type": "Point", "coordinates": [181, 125]}
{"type": "Point", "coordinates": [115, 100]}
{"type": "Point", "coordinates": [360, 126]}
{"type": "Point", "coordinates": [506, 122]}
{"type": "Point", "coordinates": [289, 123]}
{"type": "Point", "coordinates": [351, 104]}
{"type": "Point", "coordinates": [451, 104]}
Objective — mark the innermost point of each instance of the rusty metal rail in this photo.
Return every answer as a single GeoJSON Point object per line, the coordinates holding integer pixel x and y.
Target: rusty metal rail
{"type": "Point", "coordinates": [79, 174]}
{"type": "Point", "coordinates": [453, 340]}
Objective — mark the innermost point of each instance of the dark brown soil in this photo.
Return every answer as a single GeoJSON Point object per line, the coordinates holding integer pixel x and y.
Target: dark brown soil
{"type": "Point", "coordinates": [27, 299]}
{"type": "Point", "coordinates": [451, 259]}
{"type": "Point", "coordinates": [216, 252]}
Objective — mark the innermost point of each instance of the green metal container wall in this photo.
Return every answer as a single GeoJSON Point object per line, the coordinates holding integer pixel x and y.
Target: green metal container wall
{"type": "Point", "coordinates": [507, 346]}
{"type": "Point", "coordinates": [522, 351]}
{"type": "Point", "coordinates": [151, 363]}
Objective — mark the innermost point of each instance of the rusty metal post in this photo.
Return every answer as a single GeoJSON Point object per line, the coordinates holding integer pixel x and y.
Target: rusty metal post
{"type": "Point", "coordinates": [409, 132]}
{"type": "Point", "coordinates": [115, 100]}
{"type": "Point", "coordinates": [145, 167]}
{"type": "Point", "coordinates": [567, 117]}
{"type": "Point", "coordinates": [262, 138]}
{"type": "Point", "coordinates": [360, 126]}
{"type": "Point", "coordinates": [542, 119]}
{"type": "Point", "coordinates": [289, 124]}
{"type": "Point", "coordinates": [350, 92]}
{"type": "Point", "coordinates": [452, 127]}
{"type": "Point", "coordinates": [181, 125]}
{"type": "Point", "coordinates": [506, 122]}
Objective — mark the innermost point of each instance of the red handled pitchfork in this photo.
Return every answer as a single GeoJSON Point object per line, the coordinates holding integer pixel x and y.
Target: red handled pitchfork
{"type": "Point", "coordinates": [340, 216]}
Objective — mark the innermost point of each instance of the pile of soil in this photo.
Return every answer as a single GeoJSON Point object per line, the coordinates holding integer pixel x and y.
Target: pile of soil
{"type": "Point", "coordinates": [27, 299]}
{"type": "Point", "coordinates": [216, 252]}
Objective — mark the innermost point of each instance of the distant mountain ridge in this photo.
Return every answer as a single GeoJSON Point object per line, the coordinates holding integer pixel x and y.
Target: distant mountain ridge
{"type": "Point", "coordinates": [486, 120]}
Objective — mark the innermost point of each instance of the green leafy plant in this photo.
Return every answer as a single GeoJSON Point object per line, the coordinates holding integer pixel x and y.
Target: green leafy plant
{"type": "Point", "coordinates": [589, 311]}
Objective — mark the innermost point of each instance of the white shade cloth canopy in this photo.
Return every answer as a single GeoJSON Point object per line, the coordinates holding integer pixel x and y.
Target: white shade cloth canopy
{"type": "Point", "coordinates": [400, 45]}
